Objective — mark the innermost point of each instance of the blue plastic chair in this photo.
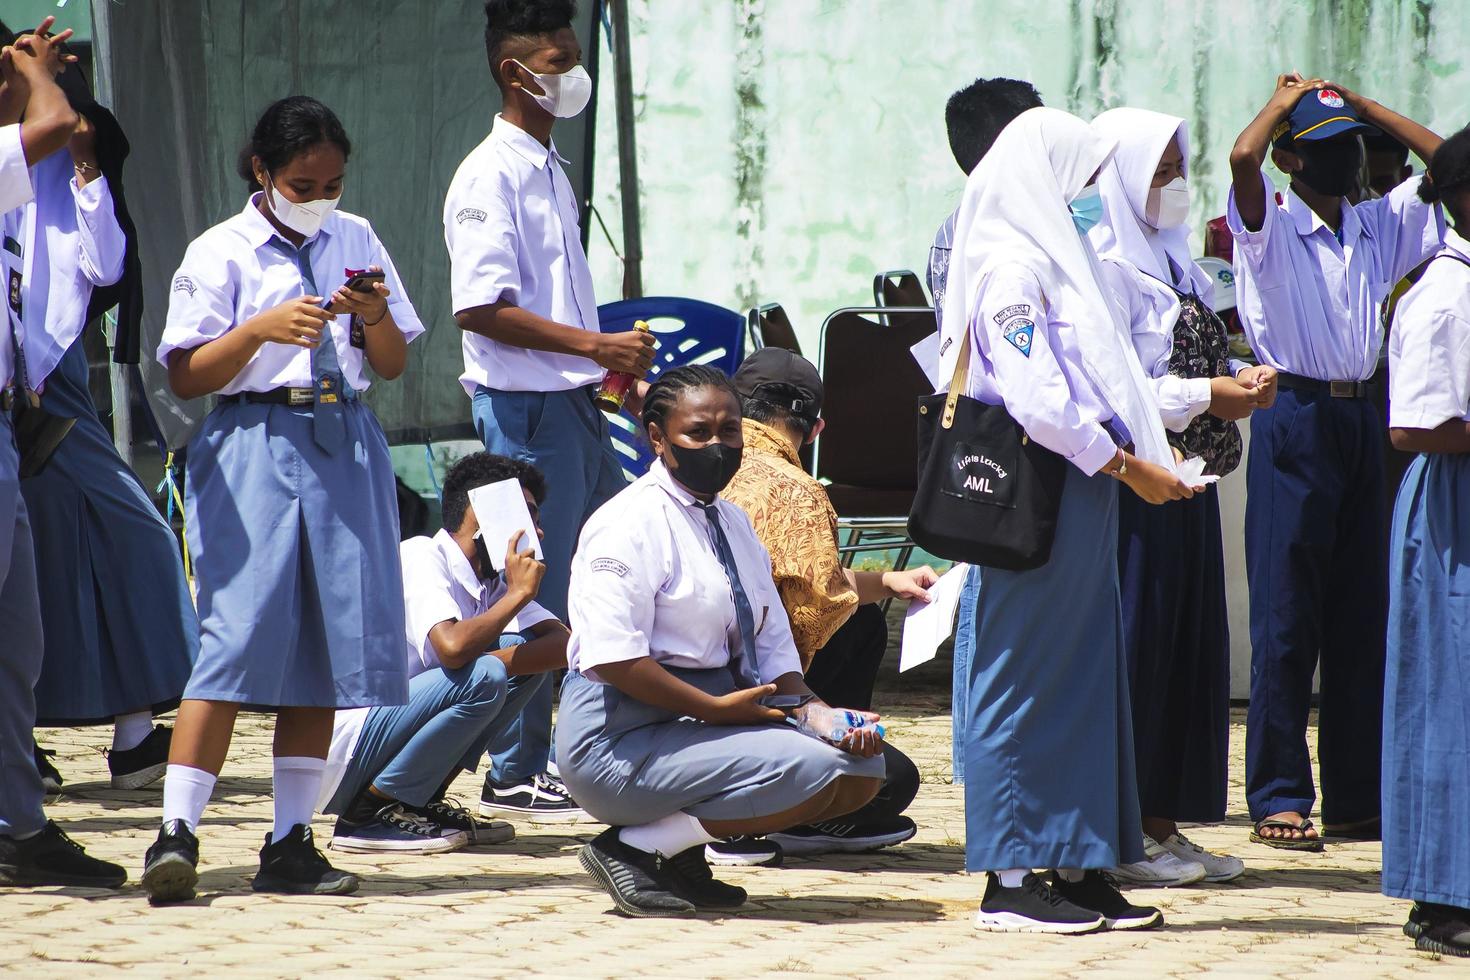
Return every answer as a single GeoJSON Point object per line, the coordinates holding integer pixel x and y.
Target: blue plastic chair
{"type": "Point", "coordinates": [689, 331]}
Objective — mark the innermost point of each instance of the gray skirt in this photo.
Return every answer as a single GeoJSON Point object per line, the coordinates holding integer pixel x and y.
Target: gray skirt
{"type": "Point", "coordinates": [627, 762]}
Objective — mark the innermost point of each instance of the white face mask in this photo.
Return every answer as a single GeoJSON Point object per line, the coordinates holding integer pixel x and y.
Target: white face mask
{"type": "Point", "coordinates": [566, 94]}
{"type": "Point", "coordinates": [1167, 206]}
{"type": "Point", "coordinates": [304, 219]}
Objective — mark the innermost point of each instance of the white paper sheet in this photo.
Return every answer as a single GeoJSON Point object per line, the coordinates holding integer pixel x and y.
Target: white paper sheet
{"type": "Point", "coordinates": [926, 353]}
{"type": "Point", "coordinates": [928, 624]}
{"type": "Point", "coordinates": [1192, 472]}
{"type": "Point", "coordinates": [501, 510]}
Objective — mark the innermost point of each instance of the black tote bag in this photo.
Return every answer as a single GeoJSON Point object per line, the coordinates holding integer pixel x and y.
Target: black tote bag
{"type": "Point", "coordinates": [986, 494]}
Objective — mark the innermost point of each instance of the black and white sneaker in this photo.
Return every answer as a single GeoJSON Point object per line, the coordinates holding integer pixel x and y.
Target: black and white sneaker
{"type": "Point", "coordinates": [52, 858]}
{"type": "Point", "coordinates": [50, 776]}
{"type": "Point", "coordinates": [638, 886]}
{"type": "Point", "coordinates": [543, 798]}
{"type": "Point", "coordinates": [744, 852]}
{"type": "Point", "coordinates": [452, 816]}
{"type": "Point", "coordinates": [1033, 906]}
{"type": "Point", "coordinates": [397, 830]}
{"type": "Point", "coordinates": [1095, 894]}
{"type": "Point", "coordinates": [690, 878]}
{"type": "Point", "coordinates": [142, 764]}
{"type": "Point", "coordinates": [1419, 920]}
{"type": "Point", "coordinates": [835, 836]}
{"type": "Point", "coordinates": [171, 867]}
{"type": "Point", "coordinates": [1448, 935]}
{"type": "Point", "coordinates": [294, 866]}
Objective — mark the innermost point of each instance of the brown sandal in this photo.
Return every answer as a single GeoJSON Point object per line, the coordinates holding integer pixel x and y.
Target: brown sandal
{"type": "Point", "coordinates": [1287, 843]}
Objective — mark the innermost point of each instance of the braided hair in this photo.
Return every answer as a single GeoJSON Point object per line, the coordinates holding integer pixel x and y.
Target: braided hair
{"type": "Point", "coordinates": [664, 393]}
{"type": "Point", "coordinates": [1449, 171]}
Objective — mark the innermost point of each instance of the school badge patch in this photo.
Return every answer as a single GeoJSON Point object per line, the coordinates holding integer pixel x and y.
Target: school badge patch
{"type": "Point", "coordinates": [1019, 332]}
{"type": "Point", "coordinates": [183, 284]}
{"type": "Point", "coordinates": [1330, 99]}
{"type": "Point", "coordinates": [469, 214]}
{"type": "Point", "coordinates": [609, 565]}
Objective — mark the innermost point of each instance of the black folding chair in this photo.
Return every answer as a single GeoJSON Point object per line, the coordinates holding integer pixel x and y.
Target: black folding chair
{"type": "Point", "coordinates": [769, 326]}
{"type": "Point", "coordinates": [900, 287]}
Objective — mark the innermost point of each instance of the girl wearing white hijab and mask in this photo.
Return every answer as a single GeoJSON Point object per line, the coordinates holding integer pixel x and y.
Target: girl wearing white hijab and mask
{"type": "Point", "coordinates": [1048, 754]}
{"type": "Point", "coordinates": [1171, 564]}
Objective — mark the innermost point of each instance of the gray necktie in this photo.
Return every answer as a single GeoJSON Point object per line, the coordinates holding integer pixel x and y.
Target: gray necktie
{"type": "Point", "coordinates": [329, 425]}
{"type": "Point", "coordinates": [742, 660]}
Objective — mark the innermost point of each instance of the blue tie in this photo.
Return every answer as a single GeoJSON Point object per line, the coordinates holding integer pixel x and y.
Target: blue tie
{"type": "Point", "coordinates": [329, 425]}
{"type": "Point", "coordinates": [742, 660]}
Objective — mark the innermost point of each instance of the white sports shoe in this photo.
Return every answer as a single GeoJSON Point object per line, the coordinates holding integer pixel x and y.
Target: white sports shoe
{"type": "Point", "coordinates": [1160, 869]}
{"type": "Point", "coordinates": [1218, 867]}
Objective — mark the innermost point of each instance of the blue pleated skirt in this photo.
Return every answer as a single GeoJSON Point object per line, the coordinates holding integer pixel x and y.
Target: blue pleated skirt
{"type": "Point", "coordinates": [1048, 754]}
{"type": "Point", "coordinates": [1426, 712]}
{"type": "Point", "coordinates": [1176, 636]}
{"type": "Point", "coordinates": [296, 554]}
{"type": "Point", "coordinates": [120, 630]}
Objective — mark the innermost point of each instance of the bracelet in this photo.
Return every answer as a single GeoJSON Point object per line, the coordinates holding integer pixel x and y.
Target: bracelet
{"type": "Point", "coordinates": [82, 168]}
{"type": "Point", "coordinates": [1122, 460]}
{"type": "Point", "coordinates": [379, 319]}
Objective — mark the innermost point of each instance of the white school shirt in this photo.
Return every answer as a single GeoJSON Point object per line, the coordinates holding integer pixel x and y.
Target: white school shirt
{"type": "Point", "coordinates": [1152, 310]}
{"type": "Point", "coordinates": [646, 582]}
{"type": "Point", "coordinates": [73, 244]}
{"type": "Point", "coordinates": [511, 225]}
{"type": "Point", "coordinates": [440, 584]}
{"type": "Point", "coordinates": [15, 190]}
{"type": "Point", "coordinates": [1429, 346]}
{"type": "Point", "coordinates": [238, 269]}
{"type": "Point", "coordinates": [1310, 304]}
{"type": "Point", "coordinates": [1038, 375]}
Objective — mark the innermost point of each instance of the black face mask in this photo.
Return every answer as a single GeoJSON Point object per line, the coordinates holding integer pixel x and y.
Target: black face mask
{"type": "Point", "coordinates": [708, 469]}
{"type": "Point", "coordinates": [482, 553]}
{"type": "Point", "coordinates": [1335, 171]}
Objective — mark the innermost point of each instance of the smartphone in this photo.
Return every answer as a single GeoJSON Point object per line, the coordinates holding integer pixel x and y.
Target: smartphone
{"type": "Point", "coordinates": [362, 281]}
{"type": "Point", "coordinates": [786, 702]}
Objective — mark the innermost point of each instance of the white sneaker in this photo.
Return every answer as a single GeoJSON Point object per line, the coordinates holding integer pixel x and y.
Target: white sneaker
{"type": "Point", "coordinates": [1218, 867]}
{"type": "Point", "coordinates": [1159, 869]}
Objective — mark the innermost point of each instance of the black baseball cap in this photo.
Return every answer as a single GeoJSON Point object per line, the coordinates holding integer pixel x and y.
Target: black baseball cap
{"type": "Point", "coordinates": [781, 378]}
{"type": "Point", "coordinates": [1317, 115]}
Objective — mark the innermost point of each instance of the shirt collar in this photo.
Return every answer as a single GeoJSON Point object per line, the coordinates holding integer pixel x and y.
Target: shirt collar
{"type": "Point", "coordinates": [1308, 221]}
{"type": "Point", "coordinates": [259, 230]}
{"type": "Point", "coordinates": [459, 565]}
{"type": "Point", "coordinates": [664, 479]}
{"type": "Point", "coordinates": [760, 438]}
{"type": "Point", "coordinates": [528, 146]}
{"type": "Point", "coordinates": [1454, 243]}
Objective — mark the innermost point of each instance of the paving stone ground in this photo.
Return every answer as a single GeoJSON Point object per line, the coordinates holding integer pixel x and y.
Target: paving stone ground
{"type": "Point", "coordinates": [524, 909]}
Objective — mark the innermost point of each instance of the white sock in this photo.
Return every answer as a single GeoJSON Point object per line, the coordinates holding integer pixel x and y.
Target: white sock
{"type": "Point", "coordinates": [1013, 877]}
{"type": "Point", "coordinates": [668, 836]}
{"type": "Point", "coordinates": [297, 783]}
{"type": "Point", "coordinates": [186, 792]}
{"type": "Point", "coordinates": [1070, 875]}
{"type": "Point", "coordinates": [128, 731]}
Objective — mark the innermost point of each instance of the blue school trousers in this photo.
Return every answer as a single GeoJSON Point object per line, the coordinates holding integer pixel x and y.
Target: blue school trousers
{"type": "Point", "coordinates": [565, 436]}
{"type": "Point", "coordinates": [1317, 564]}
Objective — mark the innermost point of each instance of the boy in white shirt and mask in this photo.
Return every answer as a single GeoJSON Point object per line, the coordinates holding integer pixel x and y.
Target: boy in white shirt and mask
{"type": "Point", "coordinates": [534, 353]}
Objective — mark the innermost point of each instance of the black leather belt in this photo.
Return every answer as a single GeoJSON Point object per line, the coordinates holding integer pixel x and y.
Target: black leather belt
{"type": "Point", "coordinates": [1333, 389]}
{"type": "Point", "coordinates": [296, 397]}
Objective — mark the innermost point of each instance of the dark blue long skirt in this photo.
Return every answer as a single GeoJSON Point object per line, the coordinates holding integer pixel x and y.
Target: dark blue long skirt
{"type": "Point", "coordinates": [1171, 570]}
{"type": "Point", "coordinates": [120, 630]}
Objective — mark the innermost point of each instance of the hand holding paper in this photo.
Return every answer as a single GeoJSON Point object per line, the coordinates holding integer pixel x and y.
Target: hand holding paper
{"type": "Point", "coordinates": [928, 624]}
{"type": "Point", "coordinates": [1192, 472]}
{"type": "Point", "coordinates": [501, 510]}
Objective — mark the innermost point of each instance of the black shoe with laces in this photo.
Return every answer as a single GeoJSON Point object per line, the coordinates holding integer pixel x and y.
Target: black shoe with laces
{"type": "Point", "coordinates": [634, 879]}
{"type": "Point", "coordinates": [1419, 919]}
{"type": "Point", "coordinates": [543, 798]}
{"type": "Point", "coordinates": [1448, 935]}
{"type": "Point", "coordinates": [690, 878]}
{"type": "Point", "coordinates": [451, 816]}
{"type": "Point", "coordinates": [1095, 894]}
{"type": "Point", "coordinates": [1033, 906]}
{"type": "Point", "coordinates": [142, 764]}
{"type": "Point", "coordinates": [842, 837]}
{"type": "Point", "coordinates": [52, 858]}
{"type": "Point", "coordinates": [171, 867]}
{"type": "Point", "coordinates": [50, 776]}
{"type": "Point", "coordinates": [744, 851]}
{"type": "Point", "coordinates": [294, 866]}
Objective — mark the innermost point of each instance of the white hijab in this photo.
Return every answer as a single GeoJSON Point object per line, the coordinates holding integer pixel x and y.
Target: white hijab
{"type": "Point", "coordinates": [1142, 137]}
{"type": "Point", "coordinates": [1015, 210]}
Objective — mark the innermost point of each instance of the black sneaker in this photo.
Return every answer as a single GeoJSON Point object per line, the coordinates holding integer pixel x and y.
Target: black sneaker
{"type": "Point", "coordinates": [1033, 906]}
{"type": "Point", "coordinates": [836, 836]}
{"type": "Point", "coordinates": [294, 866]}
{"type": "Point", "coordinates": [690, 878]}
{"type": "Point", "coordinates": [633, 878]}
{"type": "Point", "coordinates": [1419, 920]}
{"type": "Point", "coordinates": [543, 798]}
{"type": "Point", "coordinates": [171, 867]}
{"type": "Point", "coordinates": [142, 764]}
{"type": "Point", "coordinates": [1448, 936]}
{"type": "Point", "coordinates": [397, 830]}
{"type": "Point", "coordinates": [1095, 894]}
{"type": "Point", "coordinates": [52, 858]}
{"type": "Point", "coordinates": [744, 852]}
{"type": "Point", "coordinates": [452, 816]}
{"type": "Point", "coordinates": [50, 776]}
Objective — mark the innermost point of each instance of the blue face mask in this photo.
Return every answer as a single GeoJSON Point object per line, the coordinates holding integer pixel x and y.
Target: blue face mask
{"type": "Point", "coordinates": [1087, 209]}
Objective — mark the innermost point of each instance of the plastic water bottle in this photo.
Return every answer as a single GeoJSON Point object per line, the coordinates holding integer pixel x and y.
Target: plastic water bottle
{"type": "Point", "coordinates": [838, 724]}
